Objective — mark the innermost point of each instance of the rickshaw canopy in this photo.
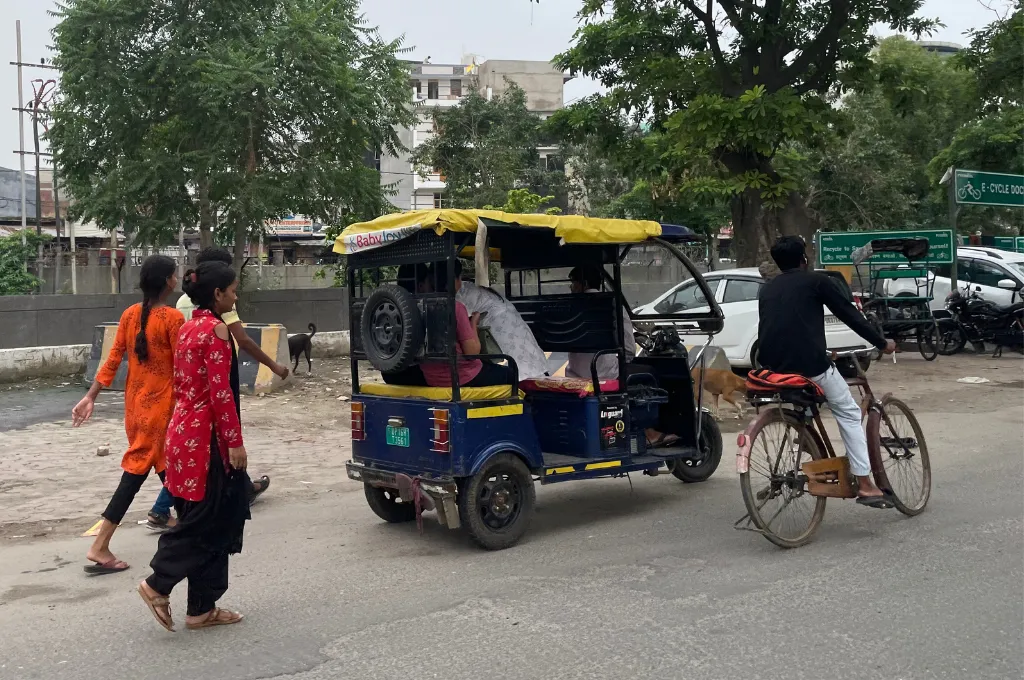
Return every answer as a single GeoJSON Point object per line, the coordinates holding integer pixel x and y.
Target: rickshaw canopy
{"type": "Point", "coordinates": [574, 229]}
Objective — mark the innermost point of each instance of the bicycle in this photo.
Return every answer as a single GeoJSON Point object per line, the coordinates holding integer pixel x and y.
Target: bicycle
{"type": "Point", "coordinates": [787, 445]}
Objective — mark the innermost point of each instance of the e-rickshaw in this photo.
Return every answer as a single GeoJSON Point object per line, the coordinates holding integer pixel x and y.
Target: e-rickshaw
{"type": "Point", "coordinates": [473, 454]}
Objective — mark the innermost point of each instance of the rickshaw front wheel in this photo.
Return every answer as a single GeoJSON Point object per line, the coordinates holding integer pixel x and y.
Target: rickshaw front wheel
{"type": "Point", "coordinates": [710, 445]}
{"type": "Point", "coordinates": [388, 505]}
{"type": "Point", "coordinates": [496, 504]}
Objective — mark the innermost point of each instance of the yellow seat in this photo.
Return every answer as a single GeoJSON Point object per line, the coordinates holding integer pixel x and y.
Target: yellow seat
{"type": "Point", "coordinates": [438, 393]}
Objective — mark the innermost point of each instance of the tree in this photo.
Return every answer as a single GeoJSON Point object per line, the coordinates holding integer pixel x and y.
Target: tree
{"type": "Point", "coordinates": [993, 139]}
{"type": "Point", "coordinates": [870, 169]}
{"type": "Point", "coordinates": [525, 202]}
{"type": "Point", "coordinates": [728, 84]}
{"type": "Point", "coordinates": [485, 148]}
{"type": "Point", "coordinates": [15, 279]}
{"type": "Point", "coordinates": [222, 115]}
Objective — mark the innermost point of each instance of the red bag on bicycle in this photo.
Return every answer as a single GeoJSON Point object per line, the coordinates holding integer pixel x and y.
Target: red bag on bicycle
{"type": "Point", "coordinates": [764, 380]}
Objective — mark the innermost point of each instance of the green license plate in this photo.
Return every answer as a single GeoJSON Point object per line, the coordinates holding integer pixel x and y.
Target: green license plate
{"type": "Point", "coordinates": [397, 436]}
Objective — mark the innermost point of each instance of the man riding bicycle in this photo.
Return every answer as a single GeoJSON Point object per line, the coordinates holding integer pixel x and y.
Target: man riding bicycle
{"type": "Point", "coordinates": [791, 339]}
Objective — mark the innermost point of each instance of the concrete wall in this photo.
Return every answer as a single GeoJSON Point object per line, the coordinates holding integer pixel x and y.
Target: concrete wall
{"type": "Point", "coordinates": [96, 280]}
{"type": "Point", "coordinates": [36, 362]}
{"type": "Point", "coordinates": [541, 81]}
{"type": "Point", "coordinates": [45, 320]}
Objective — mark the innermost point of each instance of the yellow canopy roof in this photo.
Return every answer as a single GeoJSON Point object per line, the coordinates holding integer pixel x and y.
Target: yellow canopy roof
{"type": "Point", "coordinates": [570, 228]}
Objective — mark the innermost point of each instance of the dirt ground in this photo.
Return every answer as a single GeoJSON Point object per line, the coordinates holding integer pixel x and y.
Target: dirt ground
{"type": "Point", "coordinates": [52, 482]}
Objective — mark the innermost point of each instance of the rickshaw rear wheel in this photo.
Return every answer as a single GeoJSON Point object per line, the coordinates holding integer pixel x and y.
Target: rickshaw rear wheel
{"type": "Point", "coordinates": [928, 341]}
{"type": "Point", "coordinates": [496, 504]}
{"type": "Point", "coordinates": [710, 445]}
{"type": "Point", "coordinates": [388, 505]}
{"type": "Point", "coordinates": [391, 329]}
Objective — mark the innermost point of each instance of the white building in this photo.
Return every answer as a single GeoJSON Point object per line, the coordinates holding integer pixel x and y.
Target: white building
{"type": "Point", "coordinates": [441, 85]}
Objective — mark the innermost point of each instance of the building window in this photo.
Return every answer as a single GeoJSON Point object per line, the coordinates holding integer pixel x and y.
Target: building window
{"type": "Point", "coordinates": [431, 89]}
{"type": "Point", "coordinates": [418, 84]}
{"type": "Point", "coordinates": [456, 89]}
{"type": "Point", "coordinates": [437, 201]}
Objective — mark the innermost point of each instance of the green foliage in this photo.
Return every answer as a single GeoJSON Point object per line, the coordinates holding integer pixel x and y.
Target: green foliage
{"type": "Point", "coordinates": [993, 138]}
{"type": "Point", "coordinates": [223, 115]}
{"type": "Point", "coordinates": [14, 277]}
{"type": "Point", "coordinates": [485, 148]}
{"type": "Point", "coordinates": [870, 170]}
{"type": "Point", "coordinates": [524, 202]}
{"type": "Point", "coordinates": [726, 85]}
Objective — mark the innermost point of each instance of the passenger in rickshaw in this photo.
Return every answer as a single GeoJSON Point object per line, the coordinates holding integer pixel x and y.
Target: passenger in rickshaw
{"type": "Point", "coordinates": [472, 372]}
{"type": "Point", "coordinates": [588, 279]}
{"type": "Point", "coordinates": [506, 325]}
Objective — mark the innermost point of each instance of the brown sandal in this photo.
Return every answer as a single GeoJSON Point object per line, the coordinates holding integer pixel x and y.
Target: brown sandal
{"type": "Point", "coordinates": [155, 604]}
{"type": "Point", "coordinates": [216, 617]}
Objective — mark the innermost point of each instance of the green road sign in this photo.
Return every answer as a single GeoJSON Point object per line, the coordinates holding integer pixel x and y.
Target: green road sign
{"type": "Point", "coordinates": [837, 247]}
{"type": "Point", "coordinates": [989, 188]}
{"type": "Point", "coordinates": [1011, 243]}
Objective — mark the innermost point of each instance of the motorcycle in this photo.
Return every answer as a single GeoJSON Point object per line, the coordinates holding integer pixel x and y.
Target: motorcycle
{"type": "Point", "coordinates": [978, 321]}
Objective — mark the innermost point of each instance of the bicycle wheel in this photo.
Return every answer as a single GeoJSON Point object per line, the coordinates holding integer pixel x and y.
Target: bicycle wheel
{"type": "Point", "coordinates": [928, 341]}
{"type": "Point", "coordinates": [904, 456]}
{"type": "Point", "coordinates": [774, 488]}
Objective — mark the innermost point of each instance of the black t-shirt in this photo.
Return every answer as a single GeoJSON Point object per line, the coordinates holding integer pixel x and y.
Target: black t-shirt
{"type": "Point", "coordinates": [791, 329]}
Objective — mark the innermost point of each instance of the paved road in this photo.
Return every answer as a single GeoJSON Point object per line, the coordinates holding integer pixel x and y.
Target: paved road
{"type": "Point", "coordinates": [50, 401]}
{"type": "Point", "coordinates": [651, 582]}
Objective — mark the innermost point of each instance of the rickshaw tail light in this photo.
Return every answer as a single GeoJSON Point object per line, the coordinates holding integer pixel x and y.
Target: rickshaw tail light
{"type": "Point", "coordinates": [358, 422]}
{"type": "Point", "coordinates": [440, 437]}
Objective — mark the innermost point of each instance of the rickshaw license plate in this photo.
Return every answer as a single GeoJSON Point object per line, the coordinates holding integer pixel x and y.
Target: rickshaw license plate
{"type": "Point", "coordinates": [397, 436]}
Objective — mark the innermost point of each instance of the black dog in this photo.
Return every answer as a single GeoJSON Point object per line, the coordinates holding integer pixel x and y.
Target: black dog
{"type": "Point", "coordinates": [300, 344]}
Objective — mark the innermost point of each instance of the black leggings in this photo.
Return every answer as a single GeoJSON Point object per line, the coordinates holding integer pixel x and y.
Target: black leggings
{"type": "Point", "coordinates": [122, 499]}
{"type": "Point", "coordinates": [491, 374]}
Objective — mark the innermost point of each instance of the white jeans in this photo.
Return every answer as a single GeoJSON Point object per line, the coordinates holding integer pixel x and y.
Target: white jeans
{"type": "Point", "coordinates": [847, 414]}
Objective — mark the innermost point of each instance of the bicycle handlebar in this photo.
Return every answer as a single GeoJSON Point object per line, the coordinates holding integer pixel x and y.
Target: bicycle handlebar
{"type": "Point", "coordinates": [873, 352]}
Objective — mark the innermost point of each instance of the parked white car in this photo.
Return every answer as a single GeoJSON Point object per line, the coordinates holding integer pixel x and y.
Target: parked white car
{"type": "Point", "coordinates": [996, 275]}
{"type": "Point", "coordinates": [736, 291]}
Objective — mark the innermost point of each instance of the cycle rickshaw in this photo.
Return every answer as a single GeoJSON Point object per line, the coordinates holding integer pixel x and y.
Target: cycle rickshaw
{"type": "Point", "coordinates": [897, 295]}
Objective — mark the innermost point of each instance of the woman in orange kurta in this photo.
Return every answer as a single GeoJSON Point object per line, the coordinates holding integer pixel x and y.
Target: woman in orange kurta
{"type": "Point", "coordinates": [148, 333]}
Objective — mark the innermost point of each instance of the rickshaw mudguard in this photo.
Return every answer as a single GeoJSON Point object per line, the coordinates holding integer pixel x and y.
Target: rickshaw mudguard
{"type": "Point", "coordinates": [530, 455]}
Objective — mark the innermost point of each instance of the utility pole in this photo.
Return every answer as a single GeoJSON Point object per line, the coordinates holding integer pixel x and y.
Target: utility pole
{"type": "Point", "coordinates": [22, 110]}
{"type": "Point", "coordinates": [21, 139]}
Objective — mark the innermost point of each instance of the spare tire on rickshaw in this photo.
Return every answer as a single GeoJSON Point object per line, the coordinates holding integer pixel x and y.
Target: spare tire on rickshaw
{"type": "Point", "coordinates": [391, 328]}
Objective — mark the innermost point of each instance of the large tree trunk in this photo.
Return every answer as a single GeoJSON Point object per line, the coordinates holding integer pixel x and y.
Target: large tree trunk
{"type": "Point", "coordinates": [756, 226]}
{"type": "Point", "coordinates": [205, 215]}
{"type": "Point", "coordinates": [241, 236]}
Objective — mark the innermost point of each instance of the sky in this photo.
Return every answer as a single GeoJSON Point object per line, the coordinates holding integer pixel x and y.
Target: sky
{"type": "Point", "coordinates": [490, 29]}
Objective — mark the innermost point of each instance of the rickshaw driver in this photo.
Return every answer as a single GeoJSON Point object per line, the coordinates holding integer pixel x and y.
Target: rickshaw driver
{"type": "Point", "coordinates": [587, 279]}
{"type": "Point", "coordinates": [791, 337]}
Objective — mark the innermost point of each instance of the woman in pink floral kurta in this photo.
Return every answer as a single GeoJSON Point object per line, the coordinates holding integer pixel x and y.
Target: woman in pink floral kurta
{"type": "Point", "coordinates": [206, 460]}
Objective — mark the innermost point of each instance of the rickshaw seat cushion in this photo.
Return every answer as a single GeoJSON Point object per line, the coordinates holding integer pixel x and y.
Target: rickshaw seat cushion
{"type": "Point", "coordinates": [580, 387]}
{"type": "Point", "coordinates": [489, 393]}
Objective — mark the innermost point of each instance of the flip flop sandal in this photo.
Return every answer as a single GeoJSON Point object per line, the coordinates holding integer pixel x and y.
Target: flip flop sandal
{"type": "Point", "coordinates": [114, 566]}
{"type": "Point", "coordinates": [664, 439]}
{"type": "Point", "coordinates": [879, 502]}
{"type": "Point", "coordinates": [215, 618]}
{"type": "Point", "coordinates": [153, 603]}
{"type": "Point", "coordinates": [264, 483]}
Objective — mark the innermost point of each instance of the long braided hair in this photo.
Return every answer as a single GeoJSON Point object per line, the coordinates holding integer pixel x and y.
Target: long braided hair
{"type": "Point", "coordinates": [156, 269]}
